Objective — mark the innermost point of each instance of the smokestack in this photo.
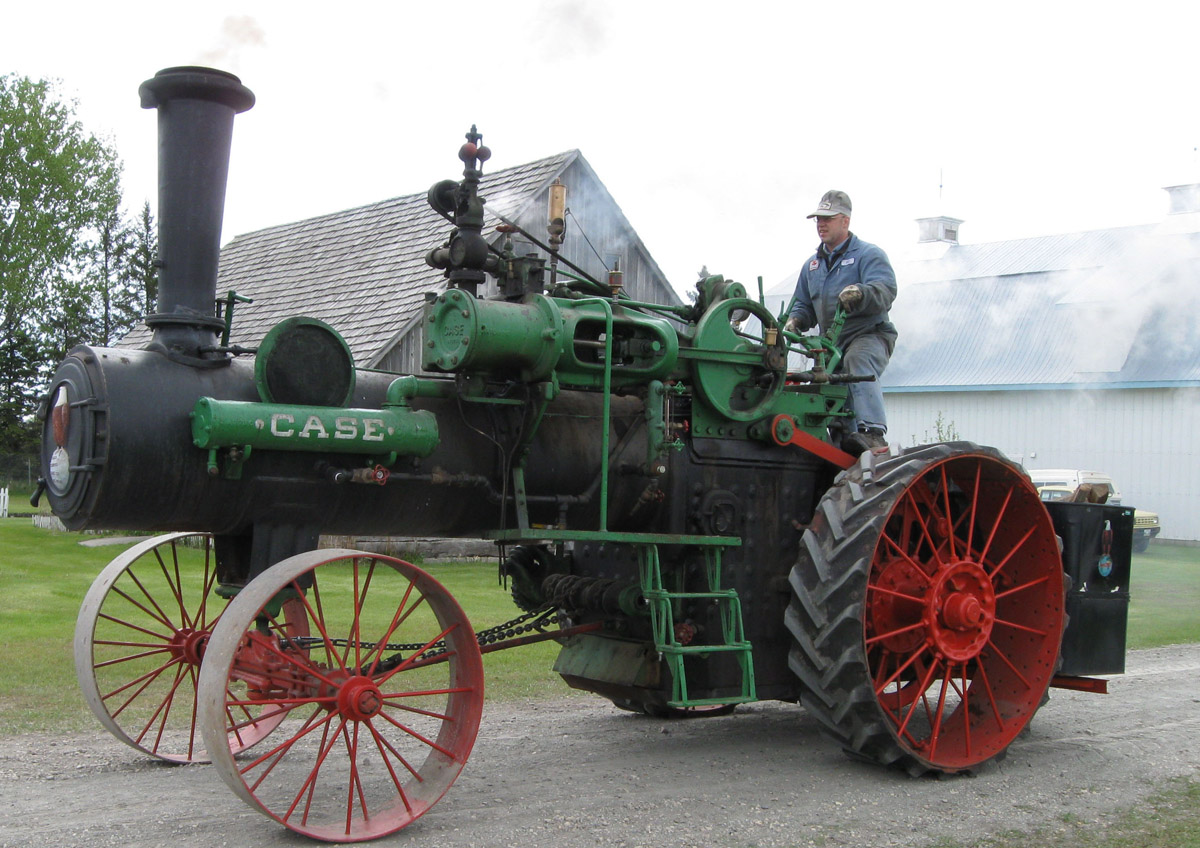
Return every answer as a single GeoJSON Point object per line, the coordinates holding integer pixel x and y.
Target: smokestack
{"type": "Point", "coordinates": [196, 107]}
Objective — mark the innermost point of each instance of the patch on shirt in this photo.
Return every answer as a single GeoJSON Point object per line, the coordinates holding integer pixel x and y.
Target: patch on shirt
{"type": "Point", "coordinates": [812, 266]}
{"type": "Point", "coordinates": [849, 261]}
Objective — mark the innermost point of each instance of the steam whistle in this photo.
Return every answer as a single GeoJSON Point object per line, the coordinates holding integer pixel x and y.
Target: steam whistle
{"type": "Point", "coordinates": [466, 256]}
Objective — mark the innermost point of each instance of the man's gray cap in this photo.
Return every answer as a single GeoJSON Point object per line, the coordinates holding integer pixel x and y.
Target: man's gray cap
{"type": "Point", "coordinates": [833, 202]}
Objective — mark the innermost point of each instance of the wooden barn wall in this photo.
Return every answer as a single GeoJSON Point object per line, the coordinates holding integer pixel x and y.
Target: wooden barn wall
{"type": "Point", "coordinates": [1144, 438]}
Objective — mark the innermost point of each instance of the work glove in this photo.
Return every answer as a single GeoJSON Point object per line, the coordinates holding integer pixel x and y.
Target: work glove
{"type": "Point", "coordinates": [792, 325]}
{"type": "Point", "coordinates": [850, 298]}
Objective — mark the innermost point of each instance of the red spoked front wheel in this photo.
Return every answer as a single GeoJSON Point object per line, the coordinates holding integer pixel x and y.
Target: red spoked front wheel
{"type": "Point", "coordinates": [380, 705]}
{"type": "Point", "coordinates": [929, 607]}
{"type": "Point", "coordinates": [140, 638]}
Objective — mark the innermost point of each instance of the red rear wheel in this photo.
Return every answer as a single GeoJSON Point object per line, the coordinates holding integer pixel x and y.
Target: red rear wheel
{"type": "Point", "coordinates": [929, 607]}
{"type": "Point", "coordinates": [381, 704]}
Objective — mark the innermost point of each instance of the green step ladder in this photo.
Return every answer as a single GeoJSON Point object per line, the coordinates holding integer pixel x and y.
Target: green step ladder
{"type": "Point", "coordinates": [663, 604]}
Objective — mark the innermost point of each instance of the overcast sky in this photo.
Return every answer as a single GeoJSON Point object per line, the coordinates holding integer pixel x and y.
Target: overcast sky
{"type": "Point", "coordinates": [715, 125]}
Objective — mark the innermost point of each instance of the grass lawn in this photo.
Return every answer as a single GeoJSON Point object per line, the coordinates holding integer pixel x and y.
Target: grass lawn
{"type": "Point", "coordinates": [1164, 596]}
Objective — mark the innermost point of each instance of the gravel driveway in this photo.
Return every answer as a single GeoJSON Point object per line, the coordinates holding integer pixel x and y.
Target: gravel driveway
{"type": "Point", "coordinates": [577, 772]}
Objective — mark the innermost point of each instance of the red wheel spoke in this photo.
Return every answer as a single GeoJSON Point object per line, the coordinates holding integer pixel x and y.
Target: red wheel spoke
{"type": "Point", "coordinates": [164, 706]}
{"type": "Point", "coordinates": [158, 614]}
{"type": "Point", "coordinates": [974, 511]}
{"type": "Point", "coordinates": [871, 587]}
{"type": "Point", "coordinates": [1022, 587]}
{"type": "Point", "coordinates": [174, 584]}
{"type": "Point", "coordinates": [966, 710]}
{"type": "Point", "coordinates": [920, 521]}
{"type": "Point", "coordinates": [355, 786]}
{"type": "Point", "coordinates": [132, 626]}
{"type": "Point", "coordinates": [404, 666]}
{"type": "Point", "coordinates": [311, 780]}
{"type": "Point", "coordinates": [1016, 626]}
{"type": "Point", "coordinates": [903, 554]}
{"type": "Point", "coordinates": [996, 525]}
{"type": "Point", "coordinates": [898, 631]}
{"type": "Point", "coordinates": [1010, 665]}
{"type": "Point", "coordinates": [145, 679]}
{"type": "Point", "coordinates": [899, 671]}
{"type": "Point", "coordinates": [383, 744]}
{"type": "Point", "coordinates": [399, 618]}
{"type": "Point", "coordinates": [414, 734]}
{"type": "Point", "coordinates": [209, 581]}
{"type": "Point", "coordinates": [924, 686]}
{"type": "Point", "coordinates": [987, 685]}
{"type": "Point", "coordinates": [318, 618]}
{"type": "Point", "coordinates": [1016, 548]}
{"type": "Point", "coordinates": [418, 711]}
{"type": "Point", "coordinates": [935, 729]}
{"type": "Point", "coordinates": [276, 753]}
{"type": "Point", "coordinates": [947, 513]}
{"type": "Point", "coordinates": [131, 657]}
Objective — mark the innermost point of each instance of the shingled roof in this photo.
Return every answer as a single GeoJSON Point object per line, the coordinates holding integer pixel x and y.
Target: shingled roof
{"type": "Point", "coordinates": [360, 270]}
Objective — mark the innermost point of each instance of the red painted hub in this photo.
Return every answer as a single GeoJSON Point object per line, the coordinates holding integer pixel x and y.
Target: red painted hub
{"type": "Point", "coordinates": [188, 645]}
{"type": "Point", "coordinates": [960, 611]}
{"type": "Point", "coordinates": [359, 699]}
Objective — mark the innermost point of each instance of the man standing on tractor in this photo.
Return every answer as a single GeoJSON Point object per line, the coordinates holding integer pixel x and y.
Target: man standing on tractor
{"type": "Point", "coordinates": [848, 272]}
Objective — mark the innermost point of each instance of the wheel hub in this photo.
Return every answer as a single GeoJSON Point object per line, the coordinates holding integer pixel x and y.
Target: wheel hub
{"type": "Point", "coordinates": [960, 611]}
{"type": "Point", "coordinates": [188, 644]}
{"type": "Point", "coordinates": [359, 699]}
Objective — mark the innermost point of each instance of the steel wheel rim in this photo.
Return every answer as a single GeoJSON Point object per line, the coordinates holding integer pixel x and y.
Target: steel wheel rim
{"type": "Point", "coordinates": [140, 638]}
{"type": "Point", "coordinates": [963, 611]}
{"type": "Point", "coordinates": [371, 739]}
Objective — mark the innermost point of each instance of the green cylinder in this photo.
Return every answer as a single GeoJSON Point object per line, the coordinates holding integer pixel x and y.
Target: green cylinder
{"type": "Point", "coordinates": [463, 333]}
{"type": "Point", "coordinates": [540, 336]}
{"type": "Point", "coordinates": [273, 426]}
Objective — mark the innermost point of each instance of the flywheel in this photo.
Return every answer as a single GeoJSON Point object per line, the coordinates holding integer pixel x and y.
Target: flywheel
{"type": "Point", "coordinates": [927, 608]}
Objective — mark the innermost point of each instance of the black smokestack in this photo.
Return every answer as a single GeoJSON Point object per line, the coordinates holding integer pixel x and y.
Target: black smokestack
{"type": "Point", "coordinates": [195, 107]}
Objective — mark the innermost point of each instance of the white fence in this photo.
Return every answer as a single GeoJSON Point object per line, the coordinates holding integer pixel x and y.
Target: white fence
{"type": "Point", "coordinates": [4, 503]}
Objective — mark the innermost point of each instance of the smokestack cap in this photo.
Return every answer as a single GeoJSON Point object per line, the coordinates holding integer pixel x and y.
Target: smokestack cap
{"type": "Point", "coordinates": [196, 83]}
{"type": "Point", "coordinates": [833, 202]}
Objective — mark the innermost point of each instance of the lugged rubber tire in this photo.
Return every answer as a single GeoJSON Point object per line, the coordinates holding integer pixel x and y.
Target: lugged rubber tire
{"type": "Point", "coordinates": [888, 608]}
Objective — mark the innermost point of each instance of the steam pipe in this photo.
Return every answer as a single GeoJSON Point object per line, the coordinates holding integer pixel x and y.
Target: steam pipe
{"type": "Point", "coordinates": [196, 107]}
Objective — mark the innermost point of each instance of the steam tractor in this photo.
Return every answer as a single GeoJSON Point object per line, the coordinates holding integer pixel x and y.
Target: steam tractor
{"type": "Point", "coordinates": [669, 501]}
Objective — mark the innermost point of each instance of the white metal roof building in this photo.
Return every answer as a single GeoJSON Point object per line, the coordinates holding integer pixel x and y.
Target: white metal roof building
{"type": "Point", "coordinates": [1073, 351]}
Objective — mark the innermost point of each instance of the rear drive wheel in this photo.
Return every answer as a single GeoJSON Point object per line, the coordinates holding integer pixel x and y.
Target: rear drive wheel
{"type": "Point", "coordinates": [927, 607]}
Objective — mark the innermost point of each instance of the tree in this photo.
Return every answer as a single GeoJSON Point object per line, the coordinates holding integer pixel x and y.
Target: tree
{"type": "Point", "coordinates": [144, 262]}
{"type": "Point", "coordinates": [59, 184]}
{"type": "Point", "coordinates": [113, 281]}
